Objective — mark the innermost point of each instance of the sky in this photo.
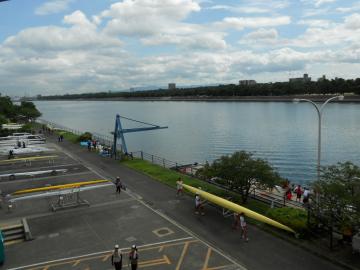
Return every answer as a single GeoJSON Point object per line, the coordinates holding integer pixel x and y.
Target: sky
{"type": "Point", "coordinates": [75, 46]}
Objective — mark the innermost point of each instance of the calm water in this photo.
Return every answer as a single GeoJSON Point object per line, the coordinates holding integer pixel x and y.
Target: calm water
{"type": "Point", "coordinates": [283, 133]}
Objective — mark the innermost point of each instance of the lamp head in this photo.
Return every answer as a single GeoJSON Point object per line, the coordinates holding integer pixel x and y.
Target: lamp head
{"type": "Point", "coordinates": [341, 97]}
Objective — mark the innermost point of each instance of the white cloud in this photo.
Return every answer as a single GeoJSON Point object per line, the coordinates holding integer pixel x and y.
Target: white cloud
{"type": "Point", "coordinates": [157, 22]}
{"type": "Point", "coordinates": [239, 9]}
{"type": "Point", "coordinates": [195, 41]}
{"type": "Point", "coordinates": [147, 17]}
{"type": "Point", "coordinates": [355, 7]}
{"type": "Point", "coordinates": [352, 22]}
{"type": "Point", "coordinates": [81, 34]}
{"type": "Point", "coordinates": [240, 23]}
{"type": "Point", "coordinates": [318, 3]}
{"type": "Point", "coordinates": [253, 7]}
{"type": "Point", "coordinates": [315, 23]}
{"type": "Point", "coordinates": [336, 34]}
{"type": "Point", "coordinates": [51, 7]}
{"type": "Point", "coordinates": [261, 38]}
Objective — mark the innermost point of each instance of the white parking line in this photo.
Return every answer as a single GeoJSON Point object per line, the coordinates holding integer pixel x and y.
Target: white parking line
{"type": "Point", "coordinates": [97, 253]}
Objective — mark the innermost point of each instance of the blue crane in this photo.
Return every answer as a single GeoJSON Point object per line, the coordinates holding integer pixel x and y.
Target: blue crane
{"type": "Point", "coordinates": [120, 131]}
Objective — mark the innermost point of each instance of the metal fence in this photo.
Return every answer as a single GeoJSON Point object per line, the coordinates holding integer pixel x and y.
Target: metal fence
{"type": "Point", "coordinates": [156, 160]}
{"type": "Point", "coordinates": [106, 140]}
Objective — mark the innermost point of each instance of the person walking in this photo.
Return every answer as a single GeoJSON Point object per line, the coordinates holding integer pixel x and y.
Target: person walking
{"type": "Point", "coordinates": [11, 154]}
{"type": "Point", "coordinates": [89, 145]}
{"type": "Point", "coordinates": [243, 226]}
{"type": "Point", "coordinates": [179, 187]}
{"type": "Point", "coordinates": [133, 257]}
{"type": "Point", "coordinates": [306, 195]}
{"type": "Point", "coordinates": [236, 224]}
{"type": "Point", "coordinates": [199, 207]}
{"type": "Point", "coordinates": [116, 258]}
{"type": "Point", "coordinates": [298, 192]}
{"type": "Point", "coordinates": [118, 185]}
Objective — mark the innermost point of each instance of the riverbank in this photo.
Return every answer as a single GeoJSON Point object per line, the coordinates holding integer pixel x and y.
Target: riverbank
{"type": "Point", "coordinates": [315, 98]}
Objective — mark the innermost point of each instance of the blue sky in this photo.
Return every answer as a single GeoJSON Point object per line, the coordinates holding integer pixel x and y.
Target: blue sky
{"type": "Point", "coordinates": [75, 46]}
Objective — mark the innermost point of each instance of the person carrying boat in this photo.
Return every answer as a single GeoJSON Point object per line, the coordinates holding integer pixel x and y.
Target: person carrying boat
{"type": "Point", "coordinates": [243, 226]}
{"type": "Point", "coordinates": [199, 205]}
{"type": "Point", "coordinates": [179, 187]}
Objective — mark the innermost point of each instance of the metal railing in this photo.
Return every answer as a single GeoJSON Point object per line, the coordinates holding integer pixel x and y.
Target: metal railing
{"type": "Point", "coordinates": [156, 160]}
{"type": "Point", "coordinates": [101, 138]}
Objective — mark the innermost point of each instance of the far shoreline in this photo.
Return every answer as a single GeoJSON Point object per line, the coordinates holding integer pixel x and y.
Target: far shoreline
{"type": "Point", "coordinates": [314, 98]}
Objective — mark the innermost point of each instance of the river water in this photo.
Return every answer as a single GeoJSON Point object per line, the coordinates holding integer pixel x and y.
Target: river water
{"type": "Point", "coordinates": [283, 133]}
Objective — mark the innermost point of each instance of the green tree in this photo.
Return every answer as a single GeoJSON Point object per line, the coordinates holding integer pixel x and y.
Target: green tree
{"type": "Point", "coordinates": [28, 111]}
{"type": "Point", "coordinates": [337, 205]}
{"type": "Point", "coordinates": [241, 171]}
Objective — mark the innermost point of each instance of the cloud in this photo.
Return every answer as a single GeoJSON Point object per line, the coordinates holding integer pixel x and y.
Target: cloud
{"type": "Point", "coordinates": [239, 9]}
{"type": "Point", "coordinates": [353, 8]}
{"type": "Point", "coordinates": [315, 23]}
{"type": "Point", "coordinates": [81, 34]}
{"type": "Point", "coordinates": [252, 7]}
{"type": "Point", "coordinates": [318, 3]}
{"type": "Point", "coordinates": [342, 34]}
{"type": "Point", "coordinates": [352, 22]}
{"type": "Point", "coordinates": [210, 40]}
{"type": "Point", "coordinates": [159, 22]}
{"type": "Point", "coordinates": [260, 38]}
{"type": "Point", "coordinates": [239, 23]}
{"type": "Point", "coordinates": [147, 17]}
{"type": "Point", "coordinates": [52, 7]}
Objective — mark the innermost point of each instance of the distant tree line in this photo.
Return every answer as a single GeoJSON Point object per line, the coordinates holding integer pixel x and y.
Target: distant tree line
{"type": "Point", "coordinates": [335, 86]}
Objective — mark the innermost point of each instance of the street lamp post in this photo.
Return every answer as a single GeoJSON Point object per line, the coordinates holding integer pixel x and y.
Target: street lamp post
{"type": "Point", "coordinates": [319, 110]}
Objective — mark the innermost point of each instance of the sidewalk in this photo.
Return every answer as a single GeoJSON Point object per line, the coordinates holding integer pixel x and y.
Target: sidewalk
{"type": "Point", "coordinates": [263, 251]}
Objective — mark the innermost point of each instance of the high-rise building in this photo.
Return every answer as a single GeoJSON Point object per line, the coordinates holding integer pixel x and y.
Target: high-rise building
{"type": "Point", "coordinates": [247, 82]}
{"type": "Point", "coordinates": [172, 86]}
{"type": "Point", "coordinates": [305, 78]}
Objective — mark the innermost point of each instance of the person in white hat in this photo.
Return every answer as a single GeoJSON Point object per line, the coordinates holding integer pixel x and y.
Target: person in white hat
{"type": "Point", "coordinates": [116, 258]}
{"type": "Point", "coordinates": [133, 257]}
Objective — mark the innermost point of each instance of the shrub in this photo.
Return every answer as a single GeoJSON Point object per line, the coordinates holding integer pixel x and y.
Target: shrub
{"type": "Point", "coordinates": [85, 137]}
{"type": "Point", "coordinates": [292, 217]}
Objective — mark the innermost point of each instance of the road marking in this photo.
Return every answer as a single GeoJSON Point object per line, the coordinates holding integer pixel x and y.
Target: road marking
{"type": "Point", "coordinates": [220, 267]}
{"type": "Point", "coordinates": [92, 255]}
{"type": "Point", "coordinates": [207, 258]}
{"type": "Point", "coordinates": [164, 260]}
{"type": "Point", "coordinates": [12, 242]}
{"type": "Point", "coordinates": [76, 263]}
{"type": "Point", "coordinates": [106, 257]}
{"type": "Point", "coordinates": [186, 246]}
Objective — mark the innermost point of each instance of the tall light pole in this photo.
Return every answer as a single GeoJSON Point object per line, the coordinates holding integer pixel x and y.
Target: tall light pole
{"type": "Point", "coordinates": [319, 110]}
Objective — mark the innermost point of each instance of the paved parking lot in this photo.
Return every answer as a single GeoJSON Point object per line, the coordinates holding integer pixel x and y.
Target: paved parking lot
{"type": "Point", "coordinates": [83, 237]}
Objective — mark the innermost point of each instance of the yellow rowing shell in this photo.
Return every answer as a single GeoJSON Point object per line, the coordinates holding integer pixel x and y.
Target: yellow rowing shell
{"type": "Point", "coordinates": [236, 208]}
{"type": "Point", "coordinates": [66, 186]}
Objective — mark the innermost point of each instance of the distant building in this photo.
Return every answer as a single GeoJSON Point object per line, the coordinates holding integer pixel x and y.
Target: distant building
{"type": "Point", "coordinates": [172, 86]}
{"type": "Point", "coordinates": [247, 82]}
{"type": "Point", "coordinates": [303, 79]}
{"type": "Point", "coordinates": [322, 78]}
